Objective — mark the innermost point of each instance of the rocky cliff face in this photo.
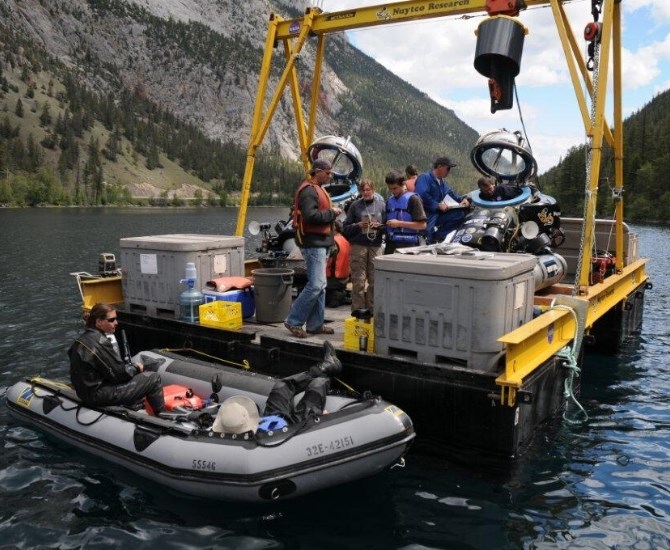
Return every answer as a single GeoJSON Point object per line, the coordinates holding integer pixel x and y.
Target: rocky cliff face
{"type": "Point", "coordinates": [200, 59]}
{"type": "Point", "coordinates": [149, 46]}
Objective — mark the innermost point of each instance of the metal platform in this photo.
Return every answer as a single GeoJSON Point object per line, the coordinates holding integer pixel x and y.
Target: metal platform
{"type": "Point", "coordinates": [335, 318]}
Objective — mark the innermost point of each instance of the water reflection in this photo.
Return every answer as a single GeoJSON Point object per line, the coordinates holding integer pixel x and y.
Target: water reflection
{"type": "Point", "coordinates": [599, 485]}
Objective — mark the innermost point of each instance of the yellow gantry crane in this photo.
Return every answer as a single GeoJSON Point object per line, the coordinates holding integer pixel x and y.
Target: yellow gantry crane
{"type": "Point", "coordinates": [293, 34]}
{"type": "Point", "coordinates": [526, 347]}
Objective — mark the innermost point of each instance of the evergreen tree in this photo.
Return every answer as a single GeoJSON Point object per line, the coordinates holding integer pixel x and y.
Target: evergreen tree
{"type": "Point", "coordinates": [93, 175]}
{"type": "Point", "coordinates": [33, 155]}
{"type": "Point", "coordinates": [153, 160]}
{"type": "Point", "coordinates": [45, 116]}
{"type": "Point", "coordinates": [112, 147]}
{"type": "Point", "coordinates": [6, 196]}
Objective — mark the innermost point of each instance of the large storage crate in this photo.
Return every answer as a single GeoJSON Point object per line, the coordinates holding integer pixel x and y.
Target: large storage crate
{"type": "Point", "coordinates": [451, 309]}
{"type": "Point", "coordinates": [153, 266]}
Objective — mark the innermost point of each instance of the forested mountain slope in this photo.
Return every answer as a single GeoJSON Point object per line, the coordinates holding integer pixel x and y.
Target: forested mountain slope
{"type": "Point", "coordinates": [646, 167]}
{"type": "Point", "coordinates": [107, 99]}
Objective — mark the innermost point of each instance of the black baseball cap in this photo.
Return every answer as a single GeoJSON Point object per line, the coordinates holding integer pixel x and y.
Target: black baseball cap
{"type": "Point", "coordinates": [443, 161]}
{"type": "Point", "coordinates": [320, 165]}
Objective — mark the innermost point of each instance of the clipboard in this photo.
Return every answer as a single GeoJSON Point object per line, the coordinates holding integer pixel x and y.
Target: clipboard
{"type": "Point", "coordinates": [452, 204]}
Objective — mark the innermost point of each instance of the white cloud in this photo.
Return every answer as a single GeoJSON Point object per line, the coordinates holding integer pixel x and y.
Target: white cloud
{"type": "Point", "coordinates": [640, 68]}
{"type": "Point", "coordinates": [660, 9]}
{"type": "Point", "coordinates": [437, 56]}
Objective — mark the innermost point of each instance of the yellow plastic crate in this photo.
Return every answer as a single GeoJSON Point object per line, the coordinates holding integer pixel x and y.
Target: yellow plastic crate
{"type": "Point", "coordinates": [221, 314]}
{"type": "Point", "coordinates": [354, 330]}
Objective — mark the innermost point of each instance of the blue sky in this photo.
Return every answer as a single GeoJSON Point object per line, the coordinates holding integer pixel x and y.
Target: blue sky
{"type": "Point", "coordinates": [437, 56]}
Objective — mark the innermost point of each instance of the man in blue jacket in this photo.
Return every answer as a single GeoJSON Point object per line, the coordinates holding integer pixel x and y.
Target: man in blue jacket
{"type": "Point", "coordinates": [443, 214]}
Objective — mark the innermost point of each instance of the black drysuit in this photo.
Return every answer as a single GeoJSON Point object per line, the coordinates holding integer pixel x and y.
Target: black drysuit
{"type": "Point", "coordinates": [101, 377]}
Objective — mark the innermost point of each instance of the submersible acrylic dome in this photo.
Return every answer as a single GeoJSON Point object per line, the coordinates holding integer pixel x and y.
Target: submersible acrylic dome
{"type": "Point", "coordinates": [346, 162]}
{"type": "Point", "coordinates": [504, 156]}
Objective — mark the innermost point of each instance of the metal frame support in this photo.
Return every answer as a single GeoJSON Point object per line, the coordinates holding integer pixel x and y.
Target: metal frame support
{"type": "Point", "coordinates": [534, 343]}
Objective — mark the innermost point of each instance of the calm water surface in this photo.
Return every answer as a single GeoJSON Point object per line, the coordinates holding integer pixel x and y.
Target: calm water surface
{"type": "Point", "coordinates": [603, 484]}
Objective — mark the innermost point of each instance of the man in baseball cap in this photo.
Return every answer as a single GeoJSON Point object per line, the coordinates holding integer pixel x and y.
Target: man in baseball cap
{"type": "Point", "coordinates": [444, 161]}
{"type": "Point", "coordinates": [313, 219]}
{"type": "Point", "coordinates": [445, 210]}
{"type": "Point", "coordinates": [320, 165]}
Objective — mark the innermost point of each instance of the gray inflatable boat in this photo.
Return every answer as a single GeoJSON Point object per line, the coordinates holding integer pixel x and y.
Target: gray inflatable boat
{"type": "Point", "coordinates": [358, 437]}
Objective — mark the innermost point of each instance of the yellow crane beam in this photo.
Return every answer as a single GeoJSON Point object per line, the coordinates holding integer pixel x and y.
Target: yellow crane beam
{"type": "Point", "coordinates": [529, 346]}
{"type": "Point", "coordinates": [294, 34]}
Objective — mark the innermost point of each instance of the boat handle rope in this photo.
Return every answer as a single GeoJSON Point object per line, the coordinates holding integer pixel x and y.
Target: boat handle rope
{"type": "Point", "coordinates": [244, 364]}
{"type": "Point", "coordinates": [110, 410]}
{"type": "Point", "coordinates": [364, 398]}
{"type": "Point", "coordinates": [56, 393]}
{"type": "Point", "coordinates": [81, 423]}
{"type": "Point", "coordinates": [347, 386]}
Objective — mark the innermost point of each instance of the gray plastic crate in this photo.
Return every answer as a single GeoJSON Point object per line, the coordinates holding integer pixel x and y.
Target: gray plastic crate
{"type": "Point", "coordinates": [451, 309]}
{"type": "Point", "coordinates": [154, 265]}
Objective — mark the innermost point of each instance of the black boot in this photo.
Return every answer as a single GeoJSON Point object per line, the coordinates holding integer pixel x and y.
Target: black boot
{"type": "Point", "coordinates": [330, 365]}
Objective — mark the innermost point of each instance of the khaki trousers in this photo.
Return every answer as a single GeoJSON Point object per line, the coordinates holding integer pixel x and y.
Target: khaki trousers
{"type": "Point", "coordinates": [363, 271]}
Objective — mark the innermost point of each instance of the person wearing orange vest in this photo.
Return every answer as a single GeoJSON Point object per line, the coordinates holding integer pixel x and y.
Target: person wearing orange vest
{"type": "Point", "coordinates": [313, 218]}
{"type": "Point", "coordinates": [338, 268]}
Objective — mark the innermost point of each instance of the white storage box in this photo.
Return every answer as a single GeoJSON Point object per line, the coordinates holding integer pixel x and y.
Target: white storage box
{"type": "Point", "coordinates": [451, 309]}
{"type": "Point", "coordinates": [153, 266]}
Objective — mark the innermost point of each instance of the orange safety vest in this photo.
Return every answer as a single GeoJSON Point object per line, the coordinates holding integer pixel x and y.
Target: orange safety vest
{"type": "Point", "coordinates": [338, 265]}
{"type": "Point", "coordinates": [303, 228]}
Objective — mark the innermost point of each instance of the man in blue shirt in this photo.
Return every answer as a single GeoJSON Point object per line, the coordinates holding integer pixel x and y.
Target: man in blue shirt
{"type": "Point", "coordinates": [443, 215]}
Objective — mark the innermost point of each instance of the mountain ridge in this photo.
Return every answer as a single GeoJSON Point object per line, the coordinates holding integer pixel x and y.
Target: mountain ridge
{"type": "Point", "coordinates": [200, 59]}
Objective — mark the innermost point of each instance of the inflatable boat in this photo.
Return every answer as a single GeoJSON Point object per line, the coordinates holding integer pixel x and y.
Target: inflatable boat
{"type": "Point", "coordinates": [358, 437]}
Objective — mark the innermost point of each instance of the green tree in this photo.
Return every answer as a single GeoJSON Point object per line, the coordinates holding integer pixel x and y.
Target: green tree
{"type": "Point", "coordinates": [45, 115]}
{"type": "Point", "coordinates": [176, 201]}
{"type": "Point", "coordinates": [33, 155]}
{"type": "Point", "coordinates": [153, 160]}
{"type": "Point", "coordinates": [93, 173]}
{"type": "Point", "coordinates": [6, 195]}
{"type": "Point", "coordinates": [18, 111]}
{"type": "Point", "coordinates": [113, 145]}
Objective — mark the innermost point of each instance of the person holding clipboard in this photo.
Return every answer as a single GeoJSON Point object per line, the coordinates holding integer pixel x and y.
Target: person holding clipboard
{"type": "Point", "coordinates": [445, 210]}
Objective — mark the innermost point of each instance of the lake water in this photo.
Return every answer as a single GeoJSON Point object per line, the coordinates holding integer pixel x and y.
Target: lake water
{"type": "Point", "coordinates": [603, 484]}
